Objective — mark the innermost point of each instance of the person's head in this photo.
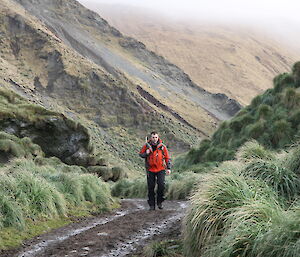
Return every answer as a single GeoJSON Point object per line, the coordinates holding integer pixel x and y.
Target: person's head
{"type": "Point", "coordinates": [154, 137]}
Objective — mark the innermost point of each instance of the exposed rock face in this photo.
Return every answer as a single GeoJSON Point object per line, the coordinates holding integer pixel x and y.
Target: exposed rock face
{"type": "Point", "coordinates": [4, 157]}
{"type": "Point", "coordinates": [230, 105]}
{"type": "Point", "coordinates": [54, 135]}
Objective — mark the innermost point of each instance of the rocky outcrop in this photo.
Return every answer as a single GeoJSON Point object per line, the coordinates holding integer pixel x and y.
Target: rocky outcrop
{"type": "Point", "coordinates": [56, 135]}
{"type": "Point", "coordinates": [230, 105]}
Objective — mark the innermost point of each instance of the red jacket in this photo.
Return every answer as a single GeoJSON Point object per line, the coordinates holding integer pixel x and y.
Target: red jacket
{"type": "Point", "coordinates": [158, 159]}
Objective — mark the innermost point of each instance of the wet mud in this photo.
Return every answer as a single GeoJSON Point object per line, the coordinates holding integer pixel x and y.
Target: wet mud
{"type": "Point", "coordinates": [120, 233]}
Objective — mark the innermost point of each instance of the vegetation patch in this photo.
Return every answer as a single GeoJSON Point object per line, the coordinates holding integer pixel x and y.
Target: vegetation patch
{"type": "Point", "coordinates": [246, 207]}
{"type": "Point", "coordinates": [11, 237]}
{"type": "Point", "coordinates": [178, 186]}
{"type": "Point", "coordinates": [32, 193]}
{"type": "Point", "coordinates": [272, 119]}
{"type": "Point", "coordinates": [166, 248]}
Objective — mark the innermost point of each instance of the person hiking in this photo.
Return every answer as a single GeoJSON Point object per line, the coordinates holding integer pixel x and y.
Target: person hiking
{"type": "Point", "coordinates": [158, 164]}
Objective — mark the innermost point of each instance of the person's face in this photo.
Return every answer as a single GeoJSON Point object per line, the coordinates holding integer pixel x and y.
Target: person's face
{"type": "Point", "coordinates": [154, 138]}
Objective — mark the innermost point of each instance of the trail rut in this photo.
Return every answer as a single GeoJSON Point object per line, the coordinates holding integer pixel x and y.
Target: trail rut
{"type": "Point", "coordinates": [120, 233]}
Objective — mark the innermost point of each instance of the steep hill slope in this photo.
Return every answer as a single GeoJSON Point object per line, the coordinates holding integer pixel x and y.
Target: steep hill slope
{"type": "Point", "coordinates": [68, 59]}
{"type": "Point", "coordinates": [38, 65]}
{"type": "Point", "coordinates": [237, 61]}
{"type": "Point", "coordinates": [92, 37]}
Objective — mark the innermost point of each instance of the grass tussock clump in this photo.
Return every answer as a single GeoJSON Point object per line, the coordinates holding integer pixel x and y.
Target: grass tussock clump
{"type": "Point", "coordinates": [292, 160]}
{"type": "Point", "coordinates": [167, 248]}
{"type": "Point", "coordinates": [39, 196]}
{"type": "Point", "coordinates": [246, 208]}
{"type": "Point", "coordinates": [217, 199]}
{"type": "Point", "coordinates": [127, 188]}
{"type": "Point", "coordinates": [31, 192]}
{"type": "Point", "coordinates": [180, 186]}
{"type": "Point", "coordinates": [280, 178]}
{"type": "Point", "coordinates": [96, 191]}
{"type": "Point", "coordinates": [281, 238]}
{"type": "Point", "coordinates": [69, 185]}
{"type": "Point", "coordinates": [11, 214]}
{"type": "Point", "coordinates": [244, 228]}
{"type": "Point", "coordinates": [218, 210]}
{"type": "Point", "coordinates": [14, 147]}
{"type": "Point", "coordinates": [253, 150]}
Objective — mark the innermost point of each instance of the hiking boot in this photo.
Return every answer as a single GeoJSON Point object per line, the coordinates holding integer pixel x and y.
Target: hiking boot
{"type": "Point", "coordinates": [159, 205]}
{"type": "Point", "coordinates": [152, 208]}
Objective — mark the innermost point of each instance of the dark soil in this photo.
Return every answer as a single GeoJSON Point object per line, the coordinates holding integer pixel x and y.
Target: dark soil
{"type": "Point", "coordinates": [123, 232]}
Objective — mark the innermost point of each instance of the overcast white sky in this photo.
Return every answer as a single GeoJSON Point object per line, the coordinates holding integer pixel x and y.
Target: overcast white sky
{"type": "Point", "coordinates": [281, 16]}
{"type": "Point", "coordinates": [241, 9]}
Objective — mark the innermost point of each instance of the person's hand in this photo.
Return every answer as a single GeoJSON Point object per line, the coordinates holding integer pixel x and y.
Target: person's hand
{"type": "Point", "coordinates": [168, 172]}
{"type": "Point", "coordinates": [148, 151]}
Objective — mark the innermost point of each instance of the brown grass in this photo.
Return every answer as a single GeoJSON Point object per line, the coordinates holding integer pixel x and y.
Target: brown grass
{"type": "Point", "coordinates": [235, 61]}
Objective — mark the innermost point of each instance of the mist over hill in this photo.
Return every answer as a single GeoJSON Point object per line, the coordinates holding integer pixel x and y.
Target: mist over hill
{"type": "Point", "coordinates": [234, 58]}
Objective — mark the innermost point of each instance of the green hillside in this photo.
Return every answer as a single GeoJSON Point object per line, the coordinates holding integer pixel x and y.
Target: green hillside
{"type": "Point", "coordinates": [273, 119]}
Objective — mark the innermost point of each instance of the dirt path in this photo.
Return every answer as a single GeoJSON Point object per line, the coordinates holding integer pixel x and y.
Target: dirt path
{"type": "Point", "coordinates": [120, 233]}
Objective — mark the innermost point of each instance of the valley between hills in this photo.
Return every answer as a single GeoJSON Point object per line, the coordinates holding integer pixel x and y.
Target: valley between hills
{"type": "Point", "coordinates": [80, 89]}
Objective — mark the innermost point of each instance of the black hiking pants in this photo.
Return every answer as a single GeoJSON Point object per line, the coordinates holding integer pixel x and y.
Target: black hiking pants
{"type": "Point", "coordinates": [152, 179]}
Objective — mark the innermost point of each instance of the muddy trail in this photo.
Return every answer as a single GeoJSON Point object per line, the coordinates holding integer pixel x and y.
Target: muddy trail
{"type": "Point", "coordinates": [123, 232]}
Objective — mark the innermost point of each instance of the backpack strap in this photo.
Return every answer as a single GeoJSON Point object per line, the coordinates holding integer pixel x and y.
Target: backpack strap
{"type": "Point", "coordinates": [161, 147]}
{"type": "Point", "coordinates": [148, 145]}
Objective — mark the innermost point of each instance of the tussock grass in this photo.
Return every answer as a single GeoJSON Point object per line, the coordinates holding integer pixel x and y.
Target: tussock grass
{"type": "Point", "coordinates": [11, 214]}
{"type": "Point", "coordinates": [96, 191]}
{"type": "Point", "coordinates": [69, 185]}
{"type": "Point", "coordinates": [292, 160]}
{"type": "Point", "coordinates": [211, 205]}
{"type": "Point", "coordinates": [170, 248]}
{"type": "Point", "coordinates": [221, 204]}
{"type": "Point", "coordinates": [178, 186]}
{"type": "Point", "coordinates": [52, 161]}
{"type": "Point", "coordinates": [285, 182]}
{"type": "Point", "coordinates": [118, 173]}
{"type": "Point", "coordinates": [102, 171]}
{"type": "Point", "coordinates": [9, 146]}
{"type": "Point", "coordinates": [253, 150]}
{"type": "Point", "coordinates": [41, 197]}
{"type": "Point", "coordinates": [244, 228]}
{"type": "Point", "coordinates": [246, 208]}
{"type": "Point", "coordinates": [272, 119]}
{"type": "Point", "coordinates": [31, 191]}
{"type": "Point", "coordinates": [138, 189]}
{"type": "Point", "coordinates": [282, 237]}
{"type": "Point", "coordinates": [17, 148]}
{"type": "Point", "coordinates": [123, 186]}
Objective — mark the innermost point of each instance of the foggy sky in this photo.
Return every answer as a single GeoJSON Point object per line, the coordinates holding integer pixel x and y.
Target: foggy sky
{"type": "Point", "coordinates": [244, 10]}
{"type": "Point", "coordinates": [280, 17]}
